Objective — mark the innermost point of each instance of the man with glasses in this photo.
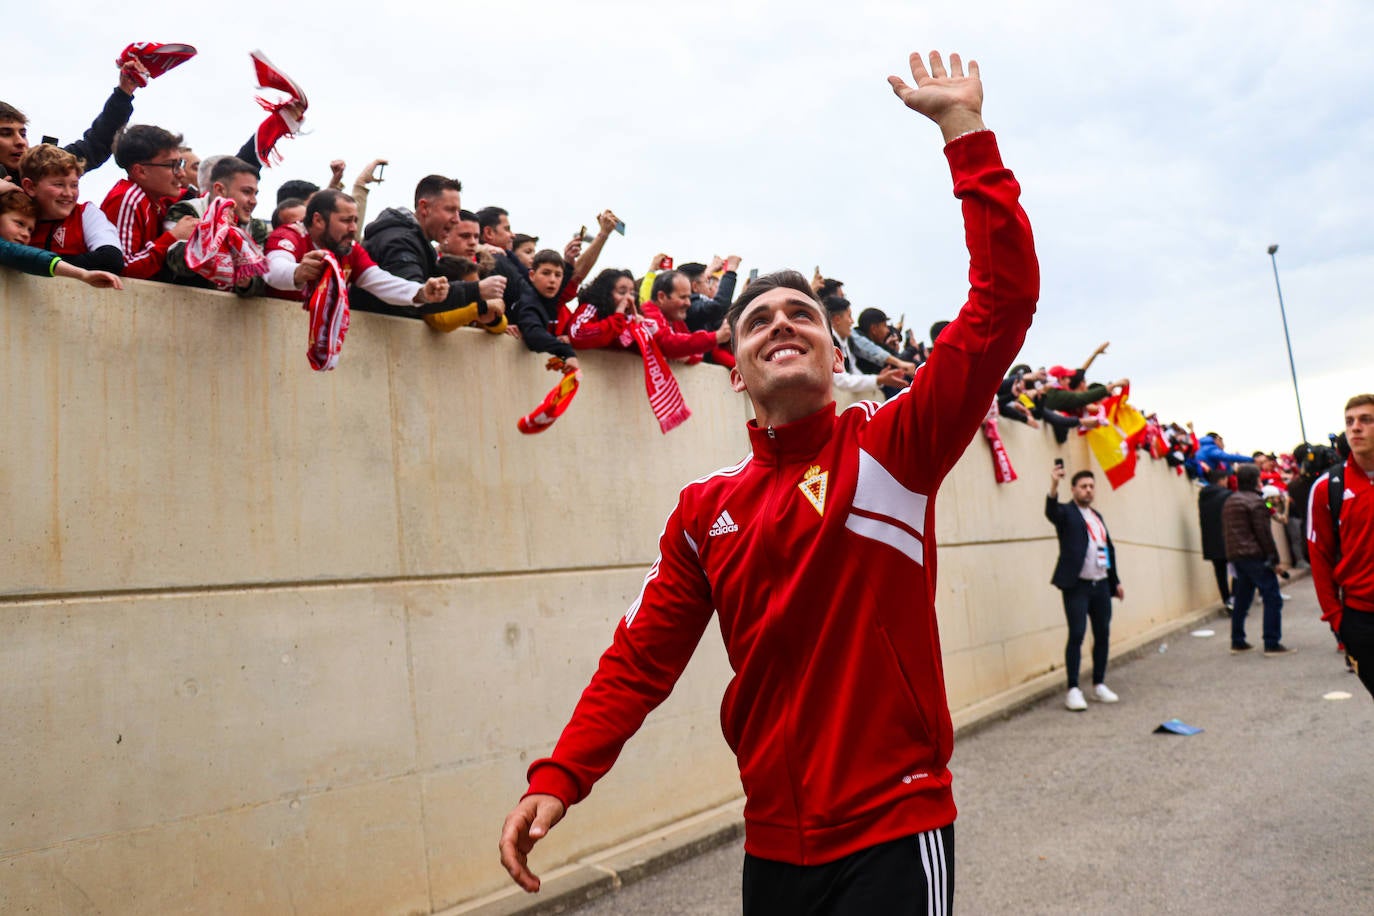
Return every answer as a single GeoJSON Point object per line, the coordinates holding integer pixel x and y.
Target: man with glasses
{"type": "Point", "coordinates": [138, 203]}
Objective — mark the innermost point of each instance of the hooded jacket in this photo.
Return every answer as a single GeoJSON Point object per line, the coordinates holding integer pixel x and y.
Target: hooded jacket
{"type": "Point", "coordinates": [398, 245]}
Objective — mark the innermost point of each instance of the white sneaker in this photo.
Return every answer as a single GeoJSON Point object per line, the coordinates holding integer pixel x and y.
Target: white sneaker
{"type": "Point", "coordinates": [1075, 701]}
{"type": "Point", "coordinates": [1103, 694]}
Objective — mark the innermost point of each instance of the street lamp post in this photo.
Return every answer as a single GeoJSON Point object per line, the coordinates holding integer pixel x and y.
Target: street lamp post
{"type": "Point", "coordinates": [1273, 250]}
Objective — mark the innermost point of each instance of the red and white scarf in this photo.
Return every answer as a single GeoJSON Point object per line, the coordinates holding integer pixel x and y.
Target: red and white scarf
{"type": "Point", "coordinates": [1001, 461]}
{"type": "Point", "coordinates": [222, 252]}
{"type": "Point", "coordinates": [327, 304]}
{"type": "Point", "coordinates": [665, 397]}
{"type": "Point", "coordinates": [280, 123]}
{"type": "Point", "coordinates": [157, 57]}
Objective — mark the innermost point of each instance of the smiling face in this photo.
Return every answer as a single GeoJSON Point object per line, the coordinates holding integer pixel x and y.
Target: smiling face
{"type": "Point", "coordinates": [16, 227]}
{"type": "Point", "coordinates": [674, 303]}
{"type": "Point", "coordinates": [242, 189]}
{"type": "Point", "coordinates": [161, 176]}
{"type": "Point", "coordinates": [55, 195]}
{"type": "Point", "coordinates": [784, 357]}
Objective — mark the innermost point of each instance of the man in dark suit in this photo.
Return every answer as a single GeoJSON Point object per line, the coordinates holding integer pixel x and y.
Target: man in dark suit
{"type": "Point", "coordinates": [1086, 575]}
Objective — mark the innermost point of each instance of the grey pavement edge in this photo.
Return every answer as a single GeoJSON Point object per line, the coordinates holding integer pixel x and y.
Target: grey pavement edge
{"type": "Point", "coordinates": [1267, 810]}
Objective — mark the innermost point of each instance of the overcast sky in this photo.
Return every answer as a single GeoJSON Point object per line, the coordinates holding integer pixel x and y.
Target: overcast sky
{"type": "Point", "coordinates": [1161, 148]}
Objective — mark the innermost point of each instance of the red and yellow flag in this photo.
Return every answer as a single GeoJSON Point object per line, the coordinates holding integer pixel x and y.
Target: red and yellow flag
{"type": "Point", "coordinates": [1115, 444]}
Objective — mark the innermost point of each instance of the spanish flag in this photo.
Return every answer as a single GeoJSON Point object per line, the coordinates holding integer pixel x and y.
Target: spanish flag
{"type": "Point", "coordinates": [1115, 444]}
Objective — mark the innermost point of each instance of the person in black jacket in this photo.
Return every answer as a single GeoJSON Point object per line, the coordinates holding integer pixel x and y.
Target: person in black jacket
{"type": "Point", "coordinates": [1210, 500]}
{"type": "Point", "coordinates": [402, 243]}
{"type": "Point", "coordinates": [94, 147]}
{"type": "Point", "coordinates": [710, 297]}
{"type": "Point", "coordinates": [1086, 575]}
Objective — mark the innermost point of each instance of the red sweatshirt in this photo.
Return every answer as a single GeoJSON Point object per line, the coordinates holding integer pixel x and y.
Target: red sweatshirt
{"type": "Point", "coordinates": [817, 553]}
{"type": "Point", "coordinates": [1348, 583]}
{"type": "Point", "coordinates": [138, 220]}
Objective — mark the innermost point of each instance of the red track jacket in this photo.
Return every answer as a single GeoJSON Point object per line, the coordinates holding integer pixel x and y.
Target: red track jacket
{"type": "Point", "coordinates": [817, 553]}
{"type": "Point", "coordinates": [1349, 583]}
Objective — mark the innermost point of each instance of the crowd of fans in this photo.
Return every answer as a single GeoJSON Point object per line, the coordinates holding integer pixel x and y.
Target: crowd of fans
{"type": "Point", "coordinates": [178, 218]}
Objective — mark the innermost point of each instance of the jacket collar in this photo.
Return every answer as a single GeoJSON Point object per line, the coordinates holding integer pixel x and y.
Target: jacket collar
{"type": "Point", "coordinates": [795, 441]}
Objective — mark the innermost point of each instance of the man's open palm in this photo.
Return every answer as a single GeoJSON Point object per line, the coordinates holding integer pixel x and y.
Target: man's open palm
{"type": "Point", "coordinates": [938, 92]}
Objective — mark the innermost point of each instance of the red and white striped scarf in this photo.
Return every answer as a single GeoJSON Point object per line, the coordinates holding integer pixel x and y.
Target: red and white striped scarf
{"type": "Point", "coordinates": [156, 56]}
{"type": "Point", "coordinates": [279, 123]}
{"type": "Point", "coordinates": [665, 397]}
{"type": "Point", "coordinates": [327, 304]}
{"type": "Point", "coordinates": [222, 252]}
{"type": "Point", "coordinates": [1001, 461]}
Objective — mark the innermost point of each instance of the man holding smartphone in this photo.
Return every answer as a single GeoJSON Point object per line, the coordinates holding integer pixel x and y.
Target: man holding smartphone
{"type": "Point", "coordinates": [1086, 575]}
{"type": "Point", "coordinates": [817, 552]}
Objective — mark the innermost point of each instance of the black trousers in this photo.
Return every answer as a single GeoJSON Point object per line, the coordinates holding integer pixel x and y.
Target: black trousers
{"type": "Point", "coordinates": [1223, 580]}
{"type": "Point", "coordinates": [1357, 633]}
{"type": "Point", "coordinates": [910, 876]}
{"type": "Point", "coordinates": [1083, 602]}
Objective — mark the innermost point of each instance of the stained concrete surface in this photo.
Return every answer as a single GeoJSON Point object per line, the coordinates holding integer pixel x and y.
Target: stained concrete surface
{"type": "Point", "coordinates": [1268, 810]}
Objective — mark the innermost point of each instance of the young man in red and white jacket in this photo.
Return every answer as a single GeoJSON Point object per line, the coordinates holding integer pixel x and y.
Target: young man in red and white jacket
{"type": "Point", "coordinates": [1344, 575]}
{"type": "Point", "coordinates": [138, 202]}
{"type": "Point", "coordinates": [817, 552]}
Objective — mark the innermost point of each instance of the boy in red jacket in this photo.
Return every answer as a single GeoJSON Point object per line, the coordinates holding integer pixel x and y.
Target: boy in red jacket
{"type": "Point", "coordinates": [817, 552]}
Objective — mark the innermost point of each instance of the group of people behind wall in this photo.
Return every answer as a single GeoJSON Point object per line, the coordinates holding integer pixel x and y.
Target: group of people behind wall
{"type": "Point", "coordinates": [1260, 517]}
{"type": "Point", "coordinates": [454, 268]}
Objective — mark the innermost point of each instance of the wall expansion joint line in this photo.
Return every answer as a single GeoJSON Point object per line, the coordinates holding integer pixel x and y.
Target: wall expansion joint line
{"type": "Point", "coordinates": [298, 585]}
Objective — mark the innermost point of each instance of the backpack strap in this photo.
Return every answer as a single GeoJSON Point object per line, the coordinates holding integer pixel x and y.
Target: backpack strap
{"type": "Point", "coordinates": [1335, 495]}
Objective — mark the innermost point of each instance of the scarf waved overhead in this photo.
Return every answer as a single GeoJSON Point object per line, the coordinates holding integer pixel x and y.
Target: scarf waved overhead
{"type": "Point", "coordinates": [284, 117]}
{"type": "Point", "coordinates": [220, 251]}
{"type": "Point", "coordinates": [554, 403]}
{"type": "Point", "coordinates": [157, 57]}
{"type": "Point", "coordinates": [327, 304]}
{"type": "Point", "coordinates": [665, 397]}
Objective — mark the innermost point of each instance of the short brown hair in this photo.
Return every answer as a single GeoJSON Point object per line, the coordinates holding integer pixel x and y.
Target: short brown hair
{"type": "Point", "coordinates": [45, 160]}
{"type": "Point", "coordinates": [546, 256]}
{"type": "Point", "coordinates": [17, 201]}
{"type": "Point", "coordinates": [1360, 400]}
{"type": "Point", "coordinates": [9, 113]}
{"type": "Point", "coordinates": [779, 279]}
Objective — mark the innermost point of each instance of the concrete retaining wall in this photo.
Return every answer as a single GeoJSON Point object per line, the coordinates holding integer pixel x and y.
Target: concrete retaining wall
{"type": "Point", "coordinates": [274, 640]}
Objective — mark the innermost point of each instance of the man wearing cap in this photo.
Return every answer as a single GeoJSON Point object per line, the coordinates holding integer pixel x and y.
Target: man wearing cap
{"type": "Point", "coordinates": [852, 380]}
{"type": "Point", "coordinates": [869, 347]}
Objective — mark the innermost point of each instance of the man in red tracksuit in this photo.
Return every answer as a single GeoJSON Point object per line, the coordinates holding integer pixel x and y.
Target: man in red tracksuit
{"type": "Point", "coordinates": [1343, 555]}
{"type": "Point", "coordinates": [817, 552]}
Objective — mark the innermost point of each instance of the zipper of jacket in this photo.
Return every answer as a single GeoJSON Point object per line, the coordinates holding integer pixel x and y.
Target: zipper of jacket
{"type": "Point", "coordinates": [776, 561]}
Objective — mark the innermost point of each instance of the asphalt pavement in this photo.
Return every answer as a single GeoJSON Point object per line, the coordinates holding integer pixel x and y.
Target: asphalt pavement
{"type": "Point", "coordinates": [1268, 810]}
